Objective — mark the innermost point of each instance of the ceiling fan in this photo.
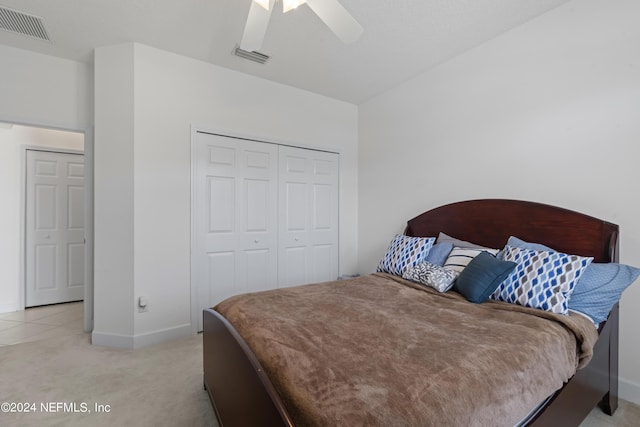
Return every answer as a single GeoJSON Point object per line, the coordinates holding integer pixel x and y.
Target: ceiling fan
{"type": "Point", "coordinates": [331, 12]}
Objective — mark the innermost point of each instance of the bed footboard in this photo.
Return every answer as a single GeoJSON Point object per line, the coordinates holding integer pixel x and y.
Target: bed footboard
{"type": "Point", "coordinates": [240, 391]}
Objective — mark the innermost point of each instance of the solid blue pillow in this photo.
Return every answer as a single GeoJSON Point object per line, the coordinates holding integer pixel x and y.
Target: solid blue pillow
{"type": "Point", "coordinates": [518, 243]}
{"type": "Point", "coordinates": [439, 252]}
{"type": "Point", "coordinates": [599, 288]}
{"type": "Point", "coordinates": [514, 242]}
{"type": "Point", "coordinates": [482, 276]}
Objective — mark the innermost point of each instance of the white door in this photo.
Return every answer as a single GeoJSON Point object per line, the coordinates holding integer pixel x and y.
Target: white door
{"type": "Point", "coordinates": [235, 218]}
{"type": "Point", "coordinates": [309, 212]}
{"type": "Point", "coordinates": [54, 229]}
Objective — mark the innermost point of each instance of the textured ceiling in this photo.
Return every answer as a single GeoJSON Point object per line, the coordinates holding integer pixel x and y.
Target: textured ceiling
{"type": "Point", "coordinates": [402, 38]}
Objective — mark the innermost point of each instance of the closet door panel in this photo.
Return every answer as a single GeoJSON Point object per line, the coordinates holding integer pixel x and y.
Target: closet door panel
{"type": "Point", "coordinates": [258, 261]}
{"type": "Point", "coordinates": [308, 242]}
{"type": "Point", "coordinates": [323, 263]}
{"type": "Point", "coordinates": [293, 263]}
{"type": "Point", "coordinates": [236, 218]}
{"type": "Point", "coordinates": [221, 272]}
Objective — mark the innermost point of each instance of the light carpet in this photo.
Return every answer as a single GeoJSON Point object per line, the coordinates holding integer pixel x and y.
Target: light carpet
{"type": "Point", "coordinates": [154, 386]}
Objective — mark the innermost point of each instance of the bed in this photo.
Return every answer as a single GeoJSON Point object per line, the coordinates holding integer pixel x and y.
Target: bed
{"type": "Point", "coordinates": [250, 382]}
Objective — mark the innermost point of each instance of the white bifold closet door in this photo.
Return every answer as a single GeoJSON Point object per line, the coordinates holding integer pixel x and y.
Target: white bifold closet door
{"type": "Point", "coordinates": [266, 216]}
{"type": "Point", "coordinates": [236, 217]}
{"type": "Point", "coordinates": [308, 216]}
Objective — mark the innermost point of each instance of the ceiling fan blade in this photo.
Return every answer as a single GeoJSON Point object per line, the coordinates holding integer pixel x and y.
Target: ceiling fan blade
{"type": "Point", "coordinates": [336, 17]}
{"type": "Point", "coordinates": [256, 27]}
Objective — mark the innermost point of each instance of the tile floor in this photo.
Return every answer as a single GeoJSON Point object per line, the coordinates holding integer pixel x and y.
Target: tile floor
{"type": "Point", "coordinates": [41, 322]}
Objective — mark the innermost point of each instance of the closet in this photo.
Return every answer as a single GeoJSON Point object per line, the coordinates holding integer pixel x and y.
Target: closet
{"type": "Point", "coordinates": [265, 216]}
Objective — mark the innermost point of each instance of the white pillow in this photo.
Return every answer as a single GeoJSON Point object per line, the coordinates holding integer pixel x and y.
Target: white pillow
{"type": "Point", "coordinates": [459, 258]}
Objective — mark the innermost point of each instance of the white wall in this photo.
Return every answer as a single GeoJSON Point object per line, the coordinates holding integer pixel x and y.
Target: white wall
{"type": "Point", "coordinates": [46, 91]}
{"type": "Point", "coordinates": [113, 187]}
{"type": "Point", "coordinates": [12, 142]}
{"type": "Point", "coordinates": [172, 93]}
{"type": "Point", "coordinates": [547, 112]}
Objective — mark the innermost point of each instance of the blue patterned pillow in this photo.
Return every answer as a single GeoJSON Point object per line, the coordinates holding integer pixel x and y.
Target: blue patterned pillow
{"type": "Point", "coordinates": [404, 252]}
{"type": "Point", "coordinates": [542, 279]}
{"type": "Point", "coordinates": [599, 288]}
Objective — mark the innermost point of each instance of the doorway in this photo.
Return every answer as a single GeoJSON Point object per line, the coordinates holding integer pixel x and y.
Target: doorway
{"type": "Point", "coordinates": [54, 227]}
{"type": "Point", "coordinates": [14, 142]}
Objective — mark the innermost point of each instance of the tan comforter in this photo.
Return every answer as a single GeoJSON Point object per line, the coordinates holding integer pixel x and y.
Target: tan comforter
{"type": "Point", "coordinates": [379, 350]}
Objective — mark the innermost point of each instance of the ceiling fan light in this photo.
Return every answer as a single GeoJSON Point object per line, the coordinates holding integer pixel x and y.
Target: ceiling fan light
{"type": "Point", "coordinates": [287, 5]}
{"type": "Point", "coordinates": [263, 3]}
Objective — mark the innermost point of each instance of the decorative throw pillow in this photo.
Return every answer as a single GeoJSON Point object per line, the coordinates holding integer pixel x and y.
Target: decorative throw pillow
{"type": "Point", "coordinates": [439, 252]}
{"type": "Point", "coordinates": [459, 258]}
{"type": "Point", "coordinates": [434, 276]}
{"type": "Point", "coordinates": [599, 288]}
{"type": "Point", "coordinates": [482, 276]}
{"type": "Point", "coordinates": [542, 279]}
{"type": "Point", "coordinates": [404, 252]}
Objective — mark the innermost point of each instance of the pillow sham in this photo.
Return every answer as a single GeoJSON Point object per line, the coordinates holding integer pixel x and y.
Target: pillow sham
{"type": "Point", "coordinates": [439, 252]}
{"type": "Point", "coordinates": [404, 252]}
{"type": "Point", "coordinates": [519, 243]}
{"type": "Point", "coordinates": [541, 279]}
{"type": "Point", "coordinates": [459, 258]}
{"type": "Point", "coordinates": [482, 276]}
{"type": "Point", "coordinates": [599, 288]}
{"type": "Point", "coordinates": [445, 238]}
{"type": "Point", "coordinates": [437, 277]}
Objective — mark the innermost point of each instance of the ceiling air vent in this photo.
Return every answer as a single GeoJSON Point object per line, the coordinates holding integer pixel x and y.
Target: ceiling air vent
{"type": "Point", "coordinates": [254, 56]}
{"type": "Point", "coordinates": [22, 23]}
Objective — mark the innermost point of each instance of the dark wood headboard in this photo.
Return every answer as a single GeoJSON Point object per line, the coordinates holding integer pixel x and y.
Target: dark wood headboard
{"type": "Point", "coordinates": [490, 222]}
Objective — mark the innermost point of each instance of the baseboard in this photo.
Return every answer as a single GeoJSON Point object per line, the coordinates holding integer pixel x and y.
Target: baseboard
{"type": "Point", "coordinates": [104, 339]}
{"type": "Point", "coordinates": [133, 342]}
{"type": "Point", "coordinates": [156, 337]}
{"type": "Point", "coordinates": [629, 391]}
{"type": "Point", "coordinates": [10, 307]}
